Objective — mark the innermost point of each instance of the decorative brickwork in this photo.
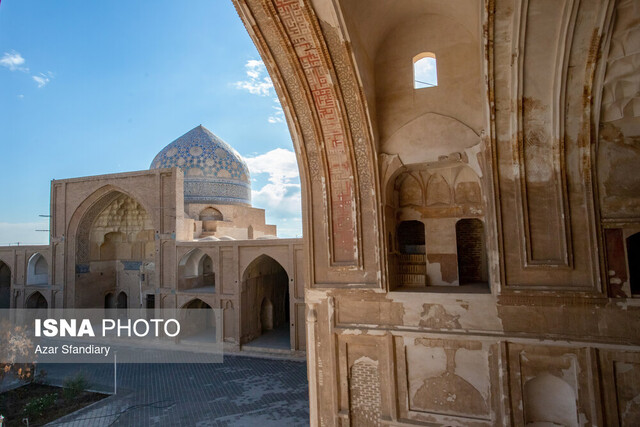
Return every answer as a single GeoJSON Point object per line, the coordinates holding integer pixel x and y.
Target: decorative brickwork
{"type": "Point", "coordinates": [469, 240]}
{"type": "Point", "coordinates": [364, 392]}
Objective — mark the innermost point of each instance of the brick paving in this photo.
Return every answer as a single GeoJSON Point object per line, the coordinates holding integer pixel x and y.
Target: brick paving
{"type": "Point", "coordinates": [242, 391]}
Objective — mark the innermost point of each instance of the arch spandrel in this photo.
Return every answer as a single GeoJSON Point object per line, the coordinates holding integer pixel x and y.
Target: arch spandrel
{"type": "Point", "coordinates": [315, 78]}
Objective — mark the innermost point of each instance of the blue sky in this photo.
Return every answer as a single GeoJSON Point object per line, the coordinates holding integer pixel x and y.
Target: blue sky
{"type": "Point", "coordinates": [95, 87]}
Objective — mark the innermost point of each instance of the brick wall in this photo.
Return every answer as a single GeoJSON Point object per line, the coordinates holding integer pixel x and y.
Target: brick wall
{"type": "Point", "coordinates": [470, 244]}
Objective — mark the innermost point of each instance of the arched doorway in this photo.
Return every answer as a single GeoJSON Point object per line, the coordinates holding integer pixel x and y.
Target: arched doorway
{"type": "Point", "coordinates": [36, 300]}
{"type": "Point", "coordinates": [198, 320]}
{"type": "Point", "coordinates": [633, 259]}
{"type": "Point", "coordinates": [265, 305]}
{"type": "Point", "coordinates": [110, 300]}
{"type": "Point", "coordinates": [122, 302]}
{"type": "Point", "coordinates": [37, 270]}
{"type": "Point", "coordinates": [472, 257]}
{"type": "Point", "coordinates": [5, 286]}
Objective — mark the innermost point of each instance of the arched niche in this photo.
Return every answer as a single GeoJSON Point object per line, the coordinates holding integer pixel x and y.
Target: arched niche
{"type": "Point", "coordinates": [229, 321]}
{"type": "Point", "coordinates": [198, 320]}
{"type": "Point", "coordinates": [265, 300]}
{"type": "Point", "coordinates": [110, 300]}
{"type": "Point", "coordinates": [467, 187]}
{"type": "Point", "coordinates": [116, 226]}
{"type": "Point", "coordinates": [266, 315]}
{"type": "Point", "coordinates": [410, 191]}
{"type": "Point", "coordinates": [438, 191]}
{"type": "Point", "coordinates": [210, 214]}
{"type": "Point", "coordinates": [210, 217]}
{"type": "Point", "coordinates": [471, 252]}
{"type": "Point", "coordinates": [37, 270]}
{"type": "Point", "coordinates": [36, 300]}
{"type": "Point", "coordinates": [549, 400]}
{"type": "Point", "coordinates": [195, 271]}
{"type": "Point", "coordinates": [122, 301]}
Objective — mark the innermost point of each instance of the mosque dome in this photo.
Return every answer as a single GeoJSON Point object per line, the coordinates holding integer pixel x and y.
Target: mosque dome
{"type": "Point", "coordinates": [213, 171]}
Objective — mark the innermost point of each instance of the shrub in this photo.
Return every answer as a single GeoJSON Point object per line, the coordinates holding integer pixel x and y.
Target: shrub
{"type": "Point", "coordinates": [36, 407]}
{"type": "Point", "coordinates": [73, 386]}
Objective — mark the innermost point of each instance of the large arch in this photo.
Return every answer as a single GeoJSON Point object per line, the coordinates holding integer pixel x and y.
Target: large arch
{"type": "Point", "coordinates": [5, 286]}
{"type": "Point", "coordinates": [113, 230]}
{"type": "Point", "coordinates": [37, 270]}
{"type": "Point", "coordinates": [265, 302]}
{"type": "Point", "coordinates": [332, 137]}
{"type": "Point", "coordinates": [533, 159]}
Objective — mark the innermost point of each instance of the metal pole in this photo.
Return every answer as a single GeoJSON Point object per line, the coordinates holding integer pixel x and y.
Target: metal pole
{"type": "Point", "coordinates": [115, 372]}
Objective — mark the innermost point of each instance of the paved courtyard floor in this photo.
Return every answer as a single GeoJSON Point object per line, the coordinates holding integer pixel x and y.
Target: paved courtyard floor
{"type": "Point", "coordinates": [242, 391]}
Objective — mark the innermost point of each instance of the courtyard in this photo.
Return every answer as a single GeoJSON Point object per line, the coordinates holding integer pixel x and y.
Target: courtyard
{"type": "Point", "coordinates": [242, 391]}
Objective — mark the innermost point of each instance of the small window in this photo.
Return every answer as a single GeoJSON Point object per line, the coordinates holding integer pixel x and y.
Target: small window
{"type": "Point", "coordinates": [425, 73]}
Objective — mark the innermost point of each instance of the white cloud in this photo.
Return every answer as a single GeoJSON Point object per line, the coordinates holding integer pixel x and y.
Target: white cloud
{"type": "Point", "coordinates": [281, 197]}
{"type": "Point", "coordinates": [258, 82]}
{"type": "Point", "coordinates": [43, 79]}
{"type": "Point", "coordinates": [13, 61]}
{"type": "Point", "coordinates": [278, 115]}
{"type": "Point", "coordinates": [280, 164]}
{"type": "Point", "coordinates": [25, 233]}
{"type": "Point", "coordinates": [20, 96]}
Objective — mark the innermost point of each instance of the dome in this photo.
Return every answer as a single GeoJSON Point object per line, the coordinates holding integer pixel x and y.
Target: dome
{"type": "Point", "coordinates": [213, 171]}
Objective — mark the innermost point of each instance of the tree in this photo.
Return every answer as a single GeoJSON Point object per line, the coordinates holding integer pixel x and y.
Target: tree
{"type": "Point", "coordinates": [15, 347]}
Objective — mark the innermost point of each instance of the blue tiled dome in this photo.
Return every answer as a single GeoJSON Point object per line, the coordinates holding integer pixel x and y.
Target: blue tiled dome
{"type": "Point", "coordinates": [213, 171]}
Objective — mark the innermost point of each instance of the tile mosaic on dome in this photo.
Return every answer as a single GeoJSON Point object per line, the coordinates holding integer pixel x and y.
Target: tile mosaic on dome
{"type": "Point", "coordinates": [218, 170]}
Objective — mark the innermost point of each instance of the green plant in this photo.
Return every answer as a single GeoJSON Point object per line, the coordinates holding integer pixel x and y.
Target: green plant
{"type": "Point", "coordinates": [36, 407]}
{"type": "Point", "coordinates": [73, 386]}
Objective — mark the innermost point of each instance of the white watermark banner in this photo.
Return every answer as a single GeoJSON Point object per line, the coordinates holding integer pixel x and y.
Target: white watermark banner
{"type": "Point", "coordinates": [189, 335]}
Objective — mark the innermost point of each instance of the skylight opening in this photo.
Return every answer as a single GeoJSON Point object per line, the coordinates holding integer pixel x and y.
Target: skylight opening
{"type": "Point", "coordinates": [425, 73]}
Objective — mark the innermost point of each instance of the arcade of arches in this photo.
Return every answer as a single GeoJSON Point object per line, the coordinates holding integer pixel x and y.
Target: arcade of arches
{"type": "Point", "coordinates": [117, 243]}
{"type": "Point", "coordinates": [471, 248]}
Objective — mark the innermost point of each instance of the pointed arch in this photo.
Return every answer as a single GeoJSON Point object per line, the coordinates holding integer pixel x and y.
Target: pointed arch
{"type": "Point", "coordinates": [549, 400]}
{"type": "Point", "coordinates": [37, 270]}
{"type": "Point", "coordinates": [86, 214]}
{"type": "Point", "coordinates": [438, 191]}
{"type": "Point", "coordinates": [467, 187]}
{"type": "Point", "coordinates": [196, 270]}
{"type": "Point", "coordinates": [36, 300]}
{"type": "Point", "coordinates": [110, 300]}
{"type": "Point", "coordinates": [265, 299]}
{"type": "Point", "coordinates": [198, 319]}
{"type": "Point", "coordinates": [229, 321]}
{"type": "Point", "coordinates": [210, 214]}
{"type": "Point", "coordinates": [122, 301]}
{"type": "Point", "coordinates": [410, 190]}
